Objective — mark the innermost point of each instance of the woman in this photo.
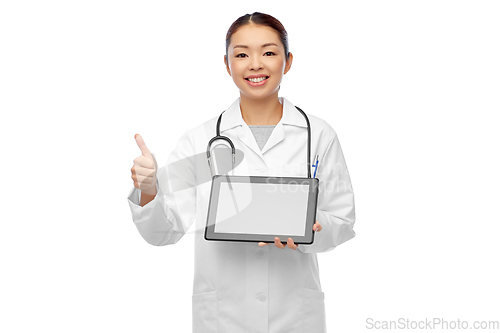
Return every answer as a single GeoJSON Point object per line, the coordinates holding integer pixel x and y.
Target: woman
{"type": "Point", "coordinates": [239, 286]}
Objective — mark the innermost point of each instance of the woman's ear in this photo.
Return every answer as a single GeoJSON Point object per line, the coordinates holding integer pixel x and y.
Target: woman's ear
{"type": "Point", "coordinates": [288, 64]}
{"type": "Point", "coordinates": [227, 65]}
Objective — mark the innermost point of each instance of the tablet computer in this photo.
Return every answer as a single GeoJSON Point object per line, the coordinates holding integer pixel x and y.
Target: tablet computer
{"type": "Point", "coordinates": [259, 208]}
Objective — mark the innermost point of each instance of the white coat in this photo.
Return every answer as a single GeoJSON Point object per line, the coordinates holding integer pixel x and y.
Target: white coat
{"type": "Point", "coordinates": [239, 286]}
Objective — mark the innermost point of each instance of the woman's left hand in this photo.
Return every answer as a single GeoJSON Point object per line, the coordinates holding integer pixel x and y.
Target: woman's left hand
{"type": "Point", "coordinates": [290, 243]}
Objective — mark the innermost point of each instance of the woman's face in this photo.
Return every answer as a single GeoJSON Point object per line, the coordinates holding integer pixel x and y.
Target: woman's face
{"type": "Point", "coordinates": [256, 52]}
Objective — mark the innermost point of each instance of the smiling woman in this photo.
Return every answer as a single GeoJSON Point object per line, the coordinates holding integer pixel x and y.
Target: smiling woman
{"type": "Point", "coordinates": [257, 57]}
{"type": "Point", "coordinates": [245, 286]}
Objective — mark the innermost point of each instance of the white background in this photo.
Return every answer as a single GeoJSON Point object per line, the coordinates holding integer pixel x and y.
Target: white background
{"type": "Point", "coordinates": [411, 88]}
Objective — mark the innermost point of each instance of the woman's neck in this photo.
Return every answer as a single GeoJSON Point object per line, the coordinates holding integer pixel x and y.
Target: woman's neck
{"type": "Point", "coordinates": [266, 111]}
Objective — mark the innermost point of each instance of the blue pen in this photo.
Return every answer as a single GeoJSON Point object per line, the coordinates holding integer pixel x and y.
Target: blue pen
{"type": "Point", "coordinates": [316, 162]}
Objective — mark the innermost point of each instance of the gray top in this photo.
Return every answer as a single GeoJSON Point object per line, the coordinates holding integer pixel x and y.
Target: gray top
{"type": "Point", "coordinates": [261, 133]}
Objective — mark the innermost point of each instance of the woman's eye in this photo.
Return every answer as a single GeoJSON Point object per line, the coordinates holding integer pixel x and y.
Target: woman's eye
{"type": "Point", "coordinates": [241, 54]}
{"type": "Point", "coordinates": [272, 53]}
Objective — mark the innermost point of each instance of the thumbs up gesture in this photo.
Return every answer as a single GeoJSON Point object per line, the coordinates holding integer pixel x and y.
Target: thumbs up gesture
{"type": "Point", "coordinates": [144, 169]}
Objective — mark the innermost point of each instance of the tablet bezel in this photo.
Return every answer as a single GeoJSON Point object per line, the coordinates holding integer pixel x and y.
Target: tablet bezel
{"type": "Point", "coordinates": [312, 204]}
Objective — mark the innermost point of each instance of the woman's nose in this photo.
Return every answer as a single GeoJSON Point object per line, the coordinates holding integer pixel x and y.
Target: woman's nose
{"type": "Point", "coordinates": [256, 64]}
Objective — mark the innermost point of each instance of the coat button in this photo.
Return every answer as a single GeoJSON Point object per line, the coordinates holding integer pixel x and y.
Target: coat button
{"type": "Point", "coordinates": [262, 298]}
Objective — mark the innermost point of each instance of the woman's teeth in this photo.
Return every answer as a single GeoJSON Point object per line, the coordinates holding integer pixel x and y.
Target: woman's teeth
{"type": "Point", "coordinates": [257, 79]}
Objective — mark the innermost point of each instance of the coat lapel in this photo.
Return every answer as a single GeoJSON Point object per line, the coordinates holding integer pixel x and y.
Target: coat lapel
{"type": "Point", "coordinates": [246, 136]}
{"type": "Point", "coordinates": [276, 137]}
{"type": "Point", "coordinates": [232, 118]}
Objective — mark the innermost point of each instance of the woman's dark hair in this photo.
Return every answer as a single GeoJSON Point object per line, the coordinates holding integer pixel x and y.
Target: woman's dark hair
{"type": "Point", "coordinates": [259, 19]}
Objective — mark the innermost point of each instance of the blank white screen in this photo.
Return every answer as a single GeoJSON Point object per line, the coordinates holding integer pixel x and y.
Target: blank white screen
{"type": "Point", "coordinates": [261, 208]}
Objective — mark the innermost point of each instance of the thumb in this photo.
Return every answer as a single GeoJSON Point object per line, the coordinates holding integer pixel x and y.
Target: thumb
{"type": "Point", "coordinates": [140, 142]}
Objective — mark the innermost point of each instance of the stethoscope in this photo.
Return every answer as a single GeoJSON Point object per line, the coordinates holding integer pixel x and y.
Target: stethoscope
{"type": "Point", "coordinates": [233, 150]}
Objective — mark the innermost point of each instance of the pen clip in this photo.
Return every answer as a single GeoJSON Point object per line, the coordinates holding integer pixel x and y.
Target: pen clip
{"type": "Point", "coordinates": [316, 162]}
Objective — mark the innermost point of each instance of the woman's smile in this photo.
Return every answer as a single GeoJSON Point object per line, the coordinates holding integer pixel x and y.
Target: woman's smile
{"type": "Point", "coordinates": [257, 80]}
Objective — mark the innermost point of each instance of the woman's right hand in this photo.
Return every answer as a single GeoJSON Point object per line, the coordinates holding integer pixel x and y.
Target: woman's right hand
{"type": "Point", "coordinates": [144, 169]}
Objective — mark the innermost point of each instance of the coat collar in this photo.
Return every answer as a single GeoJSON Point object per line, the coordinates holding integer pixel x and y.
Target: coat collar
{"type": "Point", "coordinates": [232, 116]}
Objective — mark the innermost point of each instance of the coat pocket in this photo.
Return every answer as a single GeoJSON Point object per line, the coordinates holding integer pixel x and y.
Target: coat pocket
{"type": "Point", "coordinates": [314, 320]}
{"type": "Point", "coordinates": [205, 312]}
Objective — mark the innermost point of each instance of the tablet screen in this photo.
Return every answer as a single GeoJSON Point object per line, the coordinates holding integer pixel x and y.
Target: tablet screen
{"type": "Point", "coordinates": [261, 208]}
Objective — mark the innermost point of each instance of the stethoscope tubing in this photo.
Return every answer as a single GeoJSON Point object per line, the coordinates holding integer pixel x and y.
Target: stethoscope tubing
{"type": "Point", "coordinates": [233, 151]}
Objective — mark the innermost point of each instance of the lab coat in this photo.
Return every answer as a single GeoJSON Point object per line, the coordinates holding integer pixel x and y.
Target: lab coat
{"type": "Point", "coordinates": [239, 286]}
